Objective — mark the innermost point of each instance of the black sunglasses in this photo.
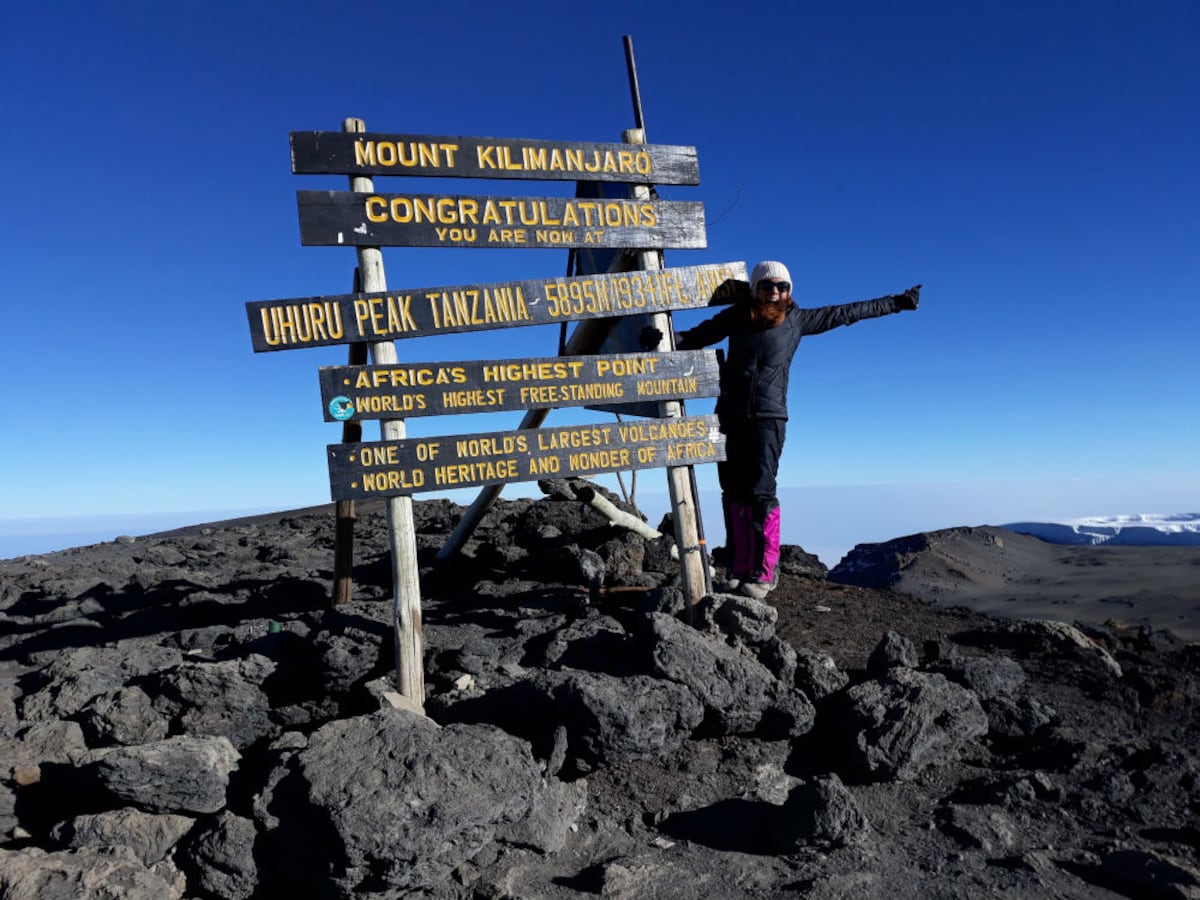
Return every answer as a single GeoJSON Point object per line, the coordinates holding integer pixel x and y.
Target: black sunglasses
{"type": "Point", "coordinates": [769, 286]}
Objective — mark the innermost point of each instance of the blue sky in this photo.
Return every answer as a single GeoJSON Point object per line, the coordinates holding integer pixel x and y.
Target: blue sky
{"type": "Point", "coordinates": [1033, 164]}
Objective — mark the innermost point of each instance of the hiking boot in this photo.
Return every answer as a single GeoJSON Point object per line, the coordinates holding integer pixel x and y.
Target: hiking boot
{"type": "Point", "coordinates": [756, 589]}
{"type": "Point", "coordinates": [759, 589]}
{"type": "Point", "coordinates": [733, 581]}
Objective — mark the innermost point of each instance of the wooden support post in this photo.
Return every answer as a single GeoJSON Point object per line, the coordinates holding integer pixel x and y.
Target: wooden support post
{"type": "Point", "coordinates": [685, 510]}
{"type": "Point", "coordinates": [345, 513]}
{"type": "Point", "coordinates": [406, 600]}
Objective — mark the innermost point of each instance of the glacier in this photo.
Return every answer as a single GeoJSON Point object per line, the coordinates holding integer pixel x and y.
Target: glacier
{"type": "Point", "coordinates": [1139, 530]}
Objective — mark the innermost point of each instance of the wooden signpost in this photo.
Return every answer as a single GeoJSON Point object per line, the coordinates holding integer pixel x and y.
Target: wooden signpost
{"type": "Point", "coordinates": [396, 466]}
{"type": "Point", "coordinates": [339, 153]}
{"type": "Point", "coordinates": [333, 218]}
{"type": "Point", "coordinates": [474, 386]}
{"type": "Point", "coordinates": [391, 468]}
{"type": "Point", "coordinates": [449, 309]}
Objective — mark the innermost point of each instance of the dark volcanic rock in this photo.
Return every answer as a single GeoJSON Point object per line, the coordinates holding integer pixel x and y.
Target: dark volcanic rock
{"type": "Point", "coordinates": [219, 698]}
{"type": "Point", "coordinates": [794, 561]}
{"type": "Point", "coordinates": [399, 802]}
{"type": "Point", "coordinates": [151, 837]}
{"type": "Point", "coordinates": [612, 720]}
{"type": "Point", "coordinates": [183, 715]}
{"type": "Point", "coordinates": [34, 874]}
{"type": "Point", "coordinates": [220, 857]}
{"type": "Point", "coordinates": [907, 721]}
{"type": "Point", "coordinates": [739, 693]}
{"type": "Point", "coordinates": [122, 716]}
{"type": "Point", "coordinates": [820, 811]}
{"type": "Point", "coordinates": [894, 650]}
{"type": "Point", "coordinates": [182, 774]}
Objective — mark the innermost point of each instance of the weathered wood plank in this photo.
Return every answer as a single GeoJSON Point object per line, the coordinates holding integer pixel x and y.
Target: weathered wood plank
{"type": "Point", "coordinates": [340, 218]}
{"type": "Point", "coordinates": [338, 153]}
{"type": "Point", "coordinates": [415, 465]}
{"type": "Point", "coordinates": [472, 386]}
{"type": "Point", "coordinates": [418, 312]}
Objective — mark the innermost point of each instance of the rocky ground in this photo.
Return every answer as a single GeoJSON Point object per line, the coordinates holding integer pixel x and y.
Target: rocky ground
{"type": "Point", "coordinates": [183, 715]}
{"type": "Point", "coordinates": [999, 571]}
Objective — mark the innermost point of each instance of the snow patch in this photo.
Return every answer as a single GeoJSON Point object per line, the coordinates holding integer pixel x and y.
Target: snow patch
{"type": "Point", "coordinates": [1137, 530]}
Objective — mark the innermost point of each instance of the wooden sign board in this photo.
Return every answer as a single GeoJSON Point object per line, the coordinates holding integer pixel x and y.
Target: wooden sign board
{"type": "Point", "coordinates": [341, 218]}
{"type": "Point", "coordinates": [419, 312]}
{"type": "Point", "coordinates": [410, 466]}
{"type": "Point", "coordinates": [347, 153]}
{"type": "Point", "coordinates": [475, 386]}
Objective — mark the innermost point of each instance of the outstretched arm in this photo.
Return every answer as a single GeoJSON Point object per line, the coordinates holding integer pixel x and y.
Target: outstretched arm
{"type": "Point", "coordinates": [708, 332]}
{"type": "Point", "coordinates": [823, 318]}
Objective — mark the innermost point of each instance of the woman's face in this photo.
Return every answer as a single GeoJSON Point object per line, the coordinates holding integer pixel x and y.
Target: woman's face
{"type": "Point", "coordinates": [773, 291]}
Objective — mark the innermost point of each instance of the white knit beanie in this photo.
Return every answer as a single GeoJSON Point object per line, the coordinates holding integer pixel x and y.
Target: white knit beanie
{"type": "Point", "coordinates": [772, 269]}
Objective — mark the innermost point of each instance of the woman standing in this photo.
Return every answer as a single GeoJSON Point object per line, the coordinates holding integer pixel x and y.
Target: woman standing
{"type": "Point", "coordinates": [752, 408]}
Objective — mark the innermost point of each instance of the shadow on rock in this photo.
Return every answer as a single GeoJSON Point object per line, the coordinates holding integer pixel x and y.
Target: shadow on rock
{"type": "Point", "coordinates": [737, 826]}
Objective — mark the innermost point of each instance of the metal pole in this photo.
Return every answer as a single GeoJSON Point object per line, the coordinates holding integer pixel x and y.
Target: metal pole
{"type": "Point", "coordinates": [346, 514]}
{"type": "Point", "coordinates": [631, 66]}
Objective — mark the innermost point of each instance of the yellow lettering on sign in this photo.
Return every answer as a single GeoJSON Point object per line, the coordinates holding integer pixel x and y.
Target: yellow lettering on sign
{"type": "Point", "coordinates": [529, 370]}
{"type": "Point", "coordinates": [667, 387]}
{"type": "Point", "coordinates": [574, 438]}
{"type": "Point", "coordinates": [475, 472]}
{"type": "Point", "coordinates": [664, 430]}
{"type": "Point", "coordinates": [553, 236]}
{"type": "Point", "coordinates": [594, 460]}
{"type": "Point", "coordinates": [474, 306]}
{"type": "Point", "coordinates": [407, 154]}
{"type": "Point", "coordinates": [380, 403]}
{"type": "Point", "coordinates": [643, 365]}
{"type": "Point", "coordinates": [478, 397]}
{"type": "Point", "coordinates": [491, 446]}
{"type": "Point", "coordinates": [300, 323]}
{"type": "Point", "coordinates": [393, 480]}
{"type": "Point", "coordinates": [388, 376]}
{"type": "Point", "coordinates": [696, 450]}
{"type": "Point", "coordinates": [545, 465]}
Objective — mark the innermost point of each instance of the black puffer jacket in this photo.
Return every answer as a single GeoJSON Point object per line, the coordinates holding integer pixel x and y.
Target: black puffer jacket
{"type": "Point", "coordinates": [754, 379]}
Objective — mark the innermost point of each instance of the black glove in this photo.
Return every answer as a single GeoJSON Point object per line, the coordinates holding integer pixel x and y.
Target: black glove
{"type": "Point", "coordinates": [650, 338]}
{"type": "Point", "coordinates": [910, 299]}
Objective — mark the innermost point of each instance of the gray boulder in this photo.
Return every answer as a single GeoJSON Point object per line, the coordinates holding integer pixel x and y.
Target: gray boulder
{"type": "Point", "coordinates": [820, 811]}
{"type": "Point", "coordinates": [34, 874]}
{"type": "Point", "coordinates": [150, 837]}
{"type": "Point", "coordinates": [988, 676]}
{"type": "Point", "coordinates": [220, 857]}
{"type": "Point", "coordinates": [551, 818]}
{"type": "Point", "coordinates": [400, 802]}
{"type": "Point", "coordinates": [983, 827]}
{"type": "Point", "coordinates": [781, 660]}
{"type": "Point", "coordinates": [743, 621]}
{"type": "Point", "coordinates": [222, 699]}
{"type": "Point", "coordinates": [907, 721]}
{"type": "Point", "coordinates": [123, 716]}
{"type": "Point", "coordinates": [739, 693]}
{"type": "Point", "coordinates": [41, 743]}
{"type": "Point", "coordinates": [892, 651]}
{"type": "Point", "coordinates": [183, 774]}
{"type": "Point", "coordinates": [1000, 684]}
{"type": "Point", "coordinates": [610, 720]}
{"type": "Point", "coordinates": [77, 675]}
{"type": "Point", "coordinates": [348, 658]}
{"type": "Point", "coordinates": [817, 675]}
